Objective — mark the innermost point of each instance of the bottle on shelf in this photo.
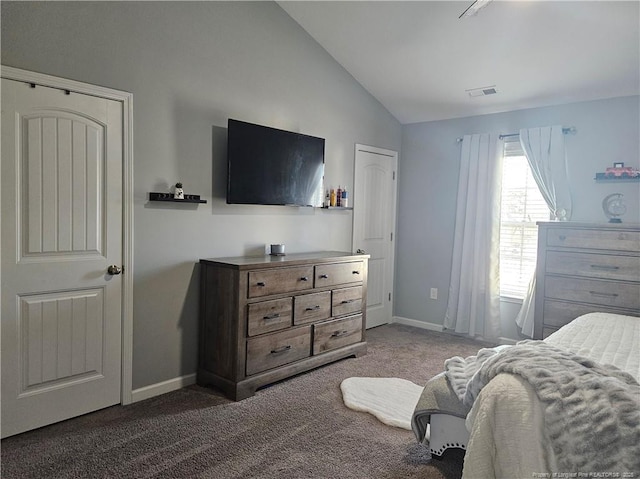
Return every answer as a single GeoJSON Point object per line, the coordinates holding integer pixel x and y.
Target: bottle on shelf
{"type": "Point", "coordinates": [339, 196]}
{"type": "Point", "coordinates": [344, 202]}
{"type": "Point", "coordinates": [327, 200]}
{"type": "Point", "coordinates": [332, 201]}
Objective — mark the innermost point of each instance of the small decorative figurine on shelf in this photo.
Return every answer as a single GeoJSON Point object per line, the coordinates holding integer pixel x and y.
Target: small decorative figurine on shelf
{"type": "Point", "coordinates": [178, 193]}
{"type": "Point", "coordinates": [619, 172]}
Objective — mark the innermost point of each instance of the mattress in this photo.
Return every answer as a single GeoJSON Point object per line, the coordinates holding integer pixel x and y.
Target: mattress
{"type": "Point", "coordinates": [603, 337]}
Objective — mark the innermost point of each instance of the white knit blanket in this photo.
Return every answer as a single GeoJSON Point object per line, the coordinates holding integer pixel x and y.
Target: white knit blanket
{"type": "Point", "coordinates": [592, 411]}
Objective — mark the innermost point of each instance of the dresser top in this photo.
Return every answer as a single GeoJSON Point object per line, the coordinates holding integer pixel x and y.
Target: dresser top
{"type": "Point", "coordinates": [603, 225]}
{"type": "Point", "coordinates": [290, 259]}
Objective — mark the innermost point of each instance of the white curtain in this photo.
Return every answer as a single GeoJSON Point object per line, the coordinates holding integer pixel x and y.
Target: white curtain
{"type": "Point", "coordinates": [544, 149]}
{"type": "Point", "coordinates": [474, 291]}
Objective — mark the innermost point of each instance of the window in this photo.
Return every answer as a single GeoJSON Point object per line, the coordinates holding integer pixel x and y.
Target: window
{"type": "Point", "coordinates": [522, 206]}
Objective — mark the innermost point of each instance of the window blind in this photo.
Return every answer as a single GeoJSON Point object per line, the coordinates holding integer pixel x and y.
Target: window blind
{"type": "Point", "coordinates": [522, 206]}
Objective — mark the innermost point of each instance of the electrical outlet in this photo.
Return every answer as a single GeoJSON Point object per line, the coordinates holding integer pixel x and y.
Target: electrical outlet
{"type": "Point", "coordinates": [434, 293]}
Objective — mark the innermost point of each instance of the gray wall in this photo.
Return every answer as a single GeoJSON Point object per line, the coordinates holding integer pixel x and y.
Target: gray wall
{"type": "Point", "coordinates": [190, 66]}
{"type": "Point", "coordinates": [607, 132]}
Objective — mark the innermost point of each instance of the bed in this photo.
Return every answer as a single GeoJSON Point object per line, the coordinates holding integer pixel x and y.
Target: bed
{"type": "Point", "coordinates": [509, 432]}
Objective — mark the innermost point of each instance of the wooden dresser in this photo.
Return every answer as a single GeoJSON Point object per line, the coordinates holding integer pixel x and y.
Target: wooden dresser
{"type": "Point", "coordinates": [263, 319]}
{"type": "Point", "coordinates": [584, 268]}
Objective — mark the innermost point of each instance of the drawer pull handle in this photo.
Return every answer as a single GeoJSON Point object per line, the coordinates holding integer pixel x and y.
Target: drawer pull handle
{"type": "Point", "coordinates": [260, 283]}
{"type": "Point", "coordinates": [304, 278]}
{"type": "Point", "coordinates": [313, 308]}
{"type": "Point", "coordinates": [607, 295]}
{"type": "Point", "coordinates": [271, 316]}
{"type": "Point", "coordinates": [355, 272]}
{"type": "Point", "coordinates": [347, 301]}
{"type": "Point", "coordinates": [324, 276]}
{"type": "Point", "coordinates": [338, 334]}
{"type": "Point", "coordinates": [281, 350]}
{"type": "Point", "coordinates": [605, 267]}
{"type": "Point", "coordinates": [562, 237]}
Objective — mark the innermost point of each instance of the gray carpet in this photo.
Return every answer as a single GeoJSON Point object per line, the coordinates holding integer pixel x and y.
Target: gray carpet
{"type": "Point", "coordinates": [298, 428]}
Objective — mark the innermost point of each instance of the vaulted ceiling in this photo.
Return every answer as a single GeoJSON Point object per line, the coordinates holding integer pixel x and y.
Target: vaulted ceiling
{"type": "Point", "coordinates": [419, 59]}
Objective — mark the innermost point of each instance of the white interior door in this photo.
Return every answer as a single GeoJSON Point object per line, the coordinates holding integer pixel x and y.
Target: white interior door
{"type": "Point", "coordinates": [62, 162]}
{"type": "Point", "coordinates": [374, 207]}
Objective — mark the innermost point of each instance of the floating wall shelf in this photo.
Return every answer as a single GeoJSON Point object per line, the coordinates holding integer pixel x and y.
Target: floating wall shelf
{"type": "Point", "coordinates": [336, 208]}
{"type": "Point", "coordinates": [169, 197]}
{"type": "Point", "coordinates": [600, 178]}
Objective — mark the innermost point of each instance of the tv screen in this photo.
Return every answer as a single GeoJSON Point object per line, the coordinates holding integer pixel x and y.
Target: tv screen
{"type": "Point", "coordinates": [267, 166]}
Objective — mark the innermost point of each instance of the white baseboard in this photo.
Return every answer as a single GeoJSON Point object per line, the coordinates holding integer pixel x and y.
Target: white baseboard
{"type": "Point", "coordinates": [157, 389]}
{"type": "Point", "coordinates": [440, 328]}
{"type": "Point", "coordinates": [418, 324]}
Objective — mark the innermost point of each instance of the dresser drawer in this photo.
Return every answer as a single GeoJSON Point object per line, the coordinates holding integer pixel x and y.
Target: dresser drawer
{"type": "Point", "coordinates": [309, 308]}
{"type": "Point", "coordinates": [276, 349]}
{"type": "Point", "coordinates": [336, 333]}
{"type": "Point", "coordinates": [346, 301]}
{"type": "Point", "coordinates": [594, 239]}
{"type": "Point", "coordinates": [559, 313]}
{"type": "Point", "coordinates": [339, 273]}
{"type": "Point", "coordinates": [281, 280]}
{"type": "Point", "coordinates": [606, 293]}
{"type": "Point", "coordinates": [624, 268]}
{"type": "Point", "coordinates": [268, 316]}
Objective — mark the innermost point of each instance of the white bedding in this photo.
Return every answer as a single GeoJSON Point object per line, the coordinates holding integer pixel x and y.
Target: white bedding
{"type": "Point", "coordinates": [507, 437]}
{"type": "Point", "coordinates": [606, 338]}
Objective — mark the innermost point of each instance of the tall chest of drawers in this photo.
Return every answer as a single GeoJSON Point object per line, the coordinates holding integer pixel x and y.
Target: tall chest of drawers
{"type": "Point", "coordinates": [584, 268]}
{"type": "Point", "coordinates": [263, 319]}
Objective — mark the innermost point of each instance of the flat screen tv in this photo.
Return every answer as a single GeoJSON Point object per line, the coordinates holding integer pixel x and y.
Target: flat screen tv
{"type": "Point", "coordinates": [267, 166]}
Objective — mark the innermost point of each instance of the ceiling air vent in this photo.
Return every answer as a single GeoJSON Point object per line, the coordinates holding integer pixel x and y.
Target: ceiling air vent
{"type": "Point", "coordinates": [484, 91]}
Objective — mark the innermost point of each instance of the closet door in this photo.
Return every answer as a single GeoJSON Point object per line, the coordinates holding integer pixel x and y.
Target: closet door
{"type": "Point", "coordinates": [61, 244]}
{"type": "Point", "coordinates": [374, 206]}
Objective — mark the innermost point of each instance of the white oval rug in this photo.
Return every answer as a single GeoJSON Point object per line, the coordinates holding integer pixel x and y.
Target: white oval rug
{"type": "Point", "coordinates": [391, 400]}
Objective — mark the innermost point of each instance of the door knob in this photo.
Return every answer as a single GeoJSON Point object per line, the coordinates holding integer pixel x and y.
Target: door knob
{"type": "Point", "coordinates": [114, 269]}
